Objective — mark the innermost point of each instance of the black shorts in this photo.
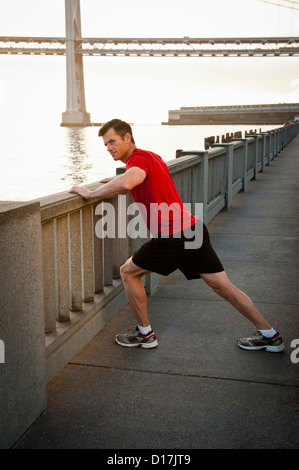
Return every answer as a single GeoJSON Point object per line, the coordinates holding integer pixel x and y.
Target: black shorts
{"type": "Point", "coordinates": [165, 255]}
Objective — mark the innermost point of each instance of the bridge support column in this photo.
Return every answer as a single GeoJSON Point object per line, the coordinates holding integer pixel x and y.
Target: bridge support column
{"type": "Point", "coordinates": [75, 114]}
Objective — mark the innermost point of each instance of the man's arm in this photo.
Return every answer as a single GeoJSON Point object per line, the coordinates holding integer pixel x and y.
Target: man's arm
{"type": "Point", "coordinates": [106, 180]}
{"type": "Point", "coordinates": [118, 185]}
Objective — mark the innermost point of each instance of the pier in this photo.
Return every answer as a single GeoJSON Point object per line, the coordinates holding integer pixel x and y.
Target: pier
{"type": "Point", "coordinates": [62, 302]}
{"type": "Point", "coordinates": [267, 114]}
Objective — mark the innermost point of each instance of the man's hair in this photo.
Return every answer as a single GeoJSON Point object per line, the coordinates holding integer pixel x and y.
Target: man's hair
{"type": "Point", "coordinates": [121, 128]}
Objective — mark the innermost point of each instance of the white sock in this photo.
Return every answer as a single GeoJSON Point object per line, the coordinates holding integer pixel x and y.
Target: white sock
{"type": "Point", "coordinates": [144, 330]}
{"type": "Point", "coordinates": [268, 333]}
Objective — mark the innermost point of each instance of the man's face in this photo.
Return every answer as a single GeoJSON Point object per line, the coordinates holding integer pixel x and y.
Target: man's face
{"type": "Point", "coordinates": [119, 147]}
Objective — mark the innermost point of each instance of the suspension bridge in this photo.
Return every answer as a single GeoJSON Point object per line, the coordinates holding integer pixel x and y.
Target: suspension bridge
{"type": "Point", "coordinates": [74, 47]}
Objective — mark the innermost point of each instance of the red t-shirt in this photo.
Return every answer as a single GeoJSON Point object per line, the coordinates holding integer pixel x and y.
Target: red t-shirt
{"type": "Point", "coordinates": [157, 197]}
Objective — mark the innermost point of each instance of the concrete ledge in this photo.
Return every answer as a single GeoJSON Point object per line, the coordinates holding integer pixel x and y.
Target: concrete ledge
{"type": "Point", "coordinates": [22, 375]}
{"type": "Point", "coordinates": [69, 339]}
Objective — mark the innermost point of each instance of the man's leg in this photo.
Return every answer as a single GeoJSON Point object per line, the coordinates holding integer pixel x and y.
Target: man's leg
{"type": "Point", "coordinates": [266, 337]}
{"type": "Point", "coordinates": [131, 276]}
{"type": "Point", "coordinates": [143, 334]}
{"type": "Point", "coordinates": [220, 283]}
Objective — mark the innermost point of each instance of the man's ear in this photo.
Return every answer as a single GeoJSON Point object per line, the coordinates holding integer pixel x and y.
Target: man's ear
{"type": "Point", "coordinates": [128, 137]}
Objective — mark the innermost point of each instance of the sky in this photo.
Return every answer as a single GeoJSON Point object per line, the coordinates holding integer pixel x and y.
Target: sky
{"type": "Point", "coordinates": [146, 88]}
{"type": "Point", "coordinates": [169, 18]}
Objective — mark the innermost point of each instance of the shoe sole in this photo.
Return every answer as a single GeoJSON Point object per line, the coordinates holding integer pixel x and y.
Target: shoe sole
{"type": "Point", "coordinates": [279, 348]}
{"type": "Point", "coordinates": [154, 344]}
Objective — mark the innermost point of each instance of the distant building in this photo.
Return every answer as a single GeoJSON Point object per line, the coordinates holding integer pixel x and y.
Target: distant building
{"type": "Point", "coordinates": [245, 114]}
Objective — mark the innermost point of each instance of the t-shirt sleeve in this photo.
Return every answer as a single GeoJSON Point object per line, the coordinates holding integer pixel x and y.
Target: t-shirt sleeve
{"type": "Point", "coordinates": [141, 161]}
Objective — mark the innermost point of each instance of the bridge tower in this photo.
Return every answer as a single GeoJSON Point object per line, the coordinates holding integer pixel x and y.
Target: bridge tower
{"type": "Point", "coordinates": [75, 113]}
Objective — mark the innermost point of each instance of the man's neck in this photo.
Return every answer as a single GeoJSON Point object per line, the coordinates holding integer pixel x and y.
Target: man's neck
{"type": "Point", "coordinates": [131, 150]}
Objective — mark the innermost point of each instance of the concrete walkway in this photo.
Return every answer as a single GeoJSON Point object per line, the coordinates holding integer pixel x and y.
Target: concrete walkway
{"type": "Point", "coordinates": [197, 390]}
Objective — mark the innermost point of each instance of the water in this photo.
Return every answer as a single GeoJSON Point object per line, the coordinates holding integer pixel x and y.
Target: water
{"type": "Point", "coordinates": [38, 157]}
{"type": "Point", "coordinates": [45, 159]}
{"type": "Point", "coordinates": [52, 159]}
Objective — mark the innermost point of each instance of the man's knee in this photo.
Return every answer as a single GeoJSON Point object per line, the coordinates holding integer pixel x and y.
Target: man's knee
{"type": "Point", "coordinates": [124, 270]}
{"type": "Point", "coordinates": [220, 284]}
{"type": "Point", "coordinates": [222, 291]}
{"type": "Point", "coordinates": [129, 270]}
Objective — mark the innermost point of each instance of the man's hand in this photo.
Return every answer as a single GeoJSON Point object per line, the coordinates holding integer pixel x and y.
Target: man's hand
{"type": "Point", "coordinates": [81, 191]}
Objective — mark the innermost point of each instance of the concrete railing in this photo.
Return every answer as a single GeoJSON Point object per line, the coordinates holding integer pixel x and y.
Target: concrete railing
{"type": "Point", "coordinates": [82, 283]}
{"type": "Point", "coordinates": [225, 169]}
{"type": "Point", "coordinates": [60, 280]}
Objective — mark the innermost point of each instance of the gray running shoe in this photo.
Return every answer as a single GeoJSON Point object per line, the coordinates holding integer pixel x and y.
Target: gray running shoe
{"type": "Point", "coordinates": [133, 338]}
{"type": "Point", "coordinates": [258, 341]}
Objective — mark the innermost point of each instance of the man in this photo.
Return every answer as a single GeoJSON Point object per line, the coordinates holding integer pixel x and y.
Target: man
{"type": "Point", "coordinates": [149, 181]}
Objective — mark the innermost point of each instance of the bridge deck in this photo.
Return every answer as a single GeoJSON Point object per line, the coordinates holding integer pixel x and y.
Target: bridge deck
{"type": "Point", "coordinates": [155, 47]}
{"type": "Point", "coordinates": [197, 389]}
